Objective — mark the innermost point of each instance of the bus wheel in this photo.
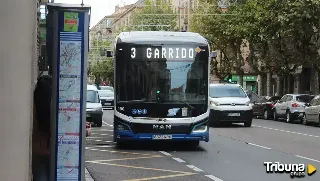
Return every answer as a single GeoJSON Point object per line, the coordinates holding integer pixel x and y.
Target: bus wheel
{"type": "Point", "coordinates": [194, 143]}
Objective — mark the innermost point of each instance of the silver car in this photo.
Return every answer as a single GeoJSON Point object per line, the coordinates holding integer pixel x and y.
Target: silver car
{"type": "Point", "coordinates": [107, 98]}
{"type": "Point", "coordinates": [291, 107]}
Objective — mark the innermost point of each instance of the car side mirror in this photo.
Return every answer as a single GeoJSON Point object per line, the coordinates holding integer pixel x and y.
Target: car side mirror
{"type": "Point", "coordinates": [250, 96]}
{"type": "Point", "coordinates": [254, 102]}
{"type": "Point", "coordinates": [307, 104]}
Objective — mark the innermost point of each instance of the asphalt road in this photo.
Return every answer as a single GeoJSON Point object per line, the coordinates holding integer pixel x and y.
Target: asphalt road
{"type": "Point", "coordinates": [234, 153]}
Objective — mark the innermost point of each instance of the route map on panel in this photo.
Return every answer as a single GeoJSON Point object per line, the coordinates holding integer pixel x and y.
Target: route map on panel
{"type": "Point", "coordinates": [69, 118]}
{"type": "Point", "coordinates": [70, 57]}
{"type": "Point", "coordinates": [68, 151]}
{"type": "Point", "coordinates": [69, 88]}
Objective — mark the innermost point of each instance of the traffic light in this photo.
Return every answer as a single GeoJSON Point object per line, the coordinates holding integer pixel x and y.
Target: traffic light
{"type": "Point", "coordinates": [158, 94]}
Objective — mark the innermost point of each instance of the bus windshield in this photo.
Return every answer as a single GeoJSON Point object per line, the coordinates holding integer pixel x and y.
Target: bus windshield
{"type": "Point", "coordinates": [164, 74]}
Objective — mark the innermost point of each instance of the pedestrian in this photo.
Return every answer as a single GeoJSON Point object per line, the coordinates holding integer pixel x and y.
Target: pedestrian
{"type": "Point", "coordinates": [41, 129]}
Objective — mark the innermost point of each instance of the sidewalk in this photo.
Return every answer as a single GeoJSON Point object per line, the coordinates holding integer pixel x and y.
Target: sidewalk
{"type": "Point", "coordinates": [87, 175]}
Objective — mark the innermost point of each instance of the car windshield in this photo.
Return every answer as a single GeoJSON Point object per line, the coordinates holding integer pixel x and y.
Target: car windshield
{"type": "Point", "coordinates": [304, 98]}
{"type": "Point", "coordinates": [106, 88]}
{"type": "Point", "coordinates": [92, 96]}
{"type": "Point", "coordinates": [226, 91]}
{"type": "Point", "coordinates": [106, 93]}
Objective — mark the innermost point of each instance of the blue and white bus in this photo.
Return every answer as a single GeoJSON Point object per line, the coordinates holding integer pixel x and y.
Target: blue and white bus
{"type": "Point", "coordinates": [161, 86]}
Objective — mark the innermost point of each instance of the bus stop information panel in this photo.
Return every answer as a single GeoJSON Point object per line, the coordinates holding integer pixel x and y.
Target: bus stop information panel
{"type": "Point", "coordinates": [68, 28]}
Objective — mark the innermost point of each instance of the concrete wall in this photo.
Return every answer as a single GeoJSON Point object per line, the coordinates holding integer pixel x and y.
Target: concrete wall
{"type": "Point", "coordinates": [17, 73]}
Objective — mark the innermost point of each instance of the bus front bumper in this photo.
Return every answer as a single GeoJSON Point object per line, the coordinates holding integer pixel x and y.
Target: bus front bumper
{"type": "Point", "coordinates": [128, 135]}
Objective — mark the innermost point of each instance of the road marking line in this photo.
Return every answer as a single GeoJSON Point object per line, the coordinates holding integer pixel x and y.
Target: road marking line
{"type": "Point", "coordinates": [132, 158]}
{"type": "Point", "coordinates": [143, 168]}
{"type": "Point", "coordinates": [275, 129]}
{"type": "Point", "coordinates": [162, 177]}
{"type": "Point", "coordinates": [213, 178]}
{"type": "Point", "coordinates": [258, 146]}
{"type": "Point", "coordinates": [308, 158]}
{"type": "Point", "coordinates": [195, 168]}
{"type": "Point", "coordinates": [107, 124]}
{"type": "Point", "coordinates": [165, 153]}
{"type": "Point", "coordinates": [178, 160]}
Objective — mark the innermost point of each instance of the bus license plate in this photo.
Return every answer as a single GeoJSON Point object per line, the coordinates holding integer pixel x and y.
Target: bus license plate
{"type": "Point", "coordinates": [234, 114]}
{"type": "Point", "coordinates": [107, 104]}
{"type": "Point", "coordinates": [162, 137]}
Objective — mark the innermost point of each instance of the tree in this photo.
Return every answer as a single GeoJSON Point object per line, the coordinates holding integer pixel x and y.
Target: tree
{"type": "Point", "coordinates": [226, 34]}
{"type": "Point", "coordinates": [100, 66]}
{"type": "Point", "coordinates": [154, 16]}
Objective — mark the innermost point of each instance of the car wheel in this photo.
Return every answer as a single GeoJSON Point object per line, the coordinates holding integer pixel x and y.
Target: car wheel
{"type": "Point", "coordinates": [304, 120]}
{"type": "Point", "coordinates": [275, 116]}
{"type": "Point", "coordinates": [99, 122]}
{"type": "Point", "coordinates": [288, 117]}
{"type": "Point", "coordinates": [248, 123]}
{"type": "Point", "coordinates": [265, 115]}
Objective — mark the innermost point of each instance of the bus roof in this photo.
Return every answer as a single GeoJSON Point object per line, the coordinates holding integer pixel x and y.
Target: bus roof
{"type": "Point", "coordinates": [166, 36]}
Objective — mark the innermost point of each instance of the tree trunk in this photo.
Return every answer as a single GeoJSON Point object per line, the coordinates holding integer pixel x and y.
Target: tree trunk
{"type": "Point", "coordinates": [260, 85]}
{"type": "Point", "coordinates": [314, 81]}
{"type": "Point", "coordinates": [279, 86]}
{"type": "Point", "coordinates": [268, 84]}
{"type": "Point", "coordinates": [240, 81]}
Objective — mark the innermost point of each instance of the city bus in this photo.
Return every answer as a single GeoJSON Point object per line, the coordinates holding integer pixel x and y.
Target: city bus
{"type": "Point", "coordinates": [161, 82]}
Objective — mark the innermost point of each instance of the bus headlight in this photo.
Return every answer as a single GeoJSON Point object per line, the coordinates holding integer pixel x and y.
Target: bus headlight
{"type": "Point", "coordinates": [121, 127]}
{"type": "Point", "coordinates": [200, 128]}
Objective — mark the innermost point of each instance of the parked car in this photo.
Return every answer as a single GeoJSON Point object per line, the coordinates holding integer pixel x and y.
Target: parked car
{"type": "Point", "coordinates": [229, 104]}
{"type": "Point", "coordinates": [94, 106]}
{"type": "Point", "coordinates": [291, 107]}
{"type": "Point", "coordinates": [312, 112]}
{"type": "Point", "coordinates": [263, 106]}
{"type": "Point", "coordinates": [107, 98]}
{"type": "Point", "coordinates": [106, 88]}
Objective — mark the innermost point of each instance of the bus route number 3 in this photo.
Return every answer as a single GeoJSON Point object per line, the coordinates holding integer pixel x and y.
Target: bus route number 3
{"type": "Point", "coordinates": [133, 52]}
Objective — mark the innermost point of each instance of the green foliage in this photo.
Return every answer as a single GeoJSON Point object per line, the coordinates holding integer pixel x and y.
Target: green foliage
{"type": "Point", "coordinates": [154, 16]}
{"type": "Point", "coordinates": [280, 33]}
{"type": "Point", "coordinates": [101, 67]}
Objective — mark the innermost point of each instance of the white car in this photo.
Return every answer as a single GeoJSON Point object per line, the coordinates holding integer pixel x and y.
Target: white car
{"type": "Point", "coordinates": [107, 98]}
{"type": "Point", "coordinates": [94, 106]}
{"type": "Point", "coordinates": [229, 104]}
{"type": "Point", "coordinates": [291, 107]}
{"type": "Point", "coordinates": [312, 112]}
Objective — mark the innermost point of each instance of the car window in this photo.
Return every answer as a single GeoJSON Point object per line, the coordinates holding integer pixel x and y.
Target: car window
{"type": "Point", "coordinates": [263, 99]}
{"type": "Point", "coordinates": [92, 96]}
{"type": "Point", "coordinates": [283, 99]}
{"type": "Point", "coordinates": [314, 101]}
{"type": "Point", "coordinates": [106, 88]}
{"type": "Point", "coordinates": [289, 98]}
{"type": "Point", "coordinates": [226, 91]}
{"type": "Point", "coordinates": [274, 98]}
{"type": "Point", "coordinates": [304, 98]}
{"type": "Point", "coordinates": [106, 93]}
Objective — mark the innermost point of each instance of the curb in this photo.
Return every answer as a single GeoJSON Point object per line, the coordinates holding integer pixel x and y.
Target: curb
{"type": "Point", "coordinates": [88, 177]}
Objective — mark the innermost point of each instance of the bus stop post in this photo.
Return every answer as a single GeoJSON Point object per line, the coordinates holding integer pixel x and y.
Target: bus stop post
{"type": "Point", "coordinates": [67, 47]}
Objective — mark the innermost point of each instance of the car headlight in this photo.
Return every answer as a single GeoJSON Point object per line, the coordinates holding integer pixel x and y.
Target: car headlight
{"type": "Point", "coordinates": [248, 103]}
{"type": "Point", "coordinates": [200, 128]}
{"type": "Point", "coordinates": [214, 103]}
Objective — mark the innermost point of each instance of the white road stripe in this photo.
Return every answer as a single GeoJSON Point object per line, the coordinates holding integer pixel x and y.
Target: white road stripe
{"type": "Point", "coordinates": [165, 153]}
{"type": "Point", "coordinates": [308, 158]}
{"type": "Point", "coordinates": [107, 124]}
{"type": "Point", "coordinates": [194, 168]}
{"type": "Point", "coordinates": [292, 132]}
{"type": "Point", "coordinates": [213, 178]}
{"type": "Point", "coordinates": [178, 160]}
{"type": "Point", "coordinates": [259, 146]}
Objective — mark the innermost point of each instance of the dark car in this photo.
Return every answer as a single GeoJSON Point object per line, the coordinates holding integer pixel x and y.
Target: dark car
{"type": "Point", "coordinates": [263, 106]}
